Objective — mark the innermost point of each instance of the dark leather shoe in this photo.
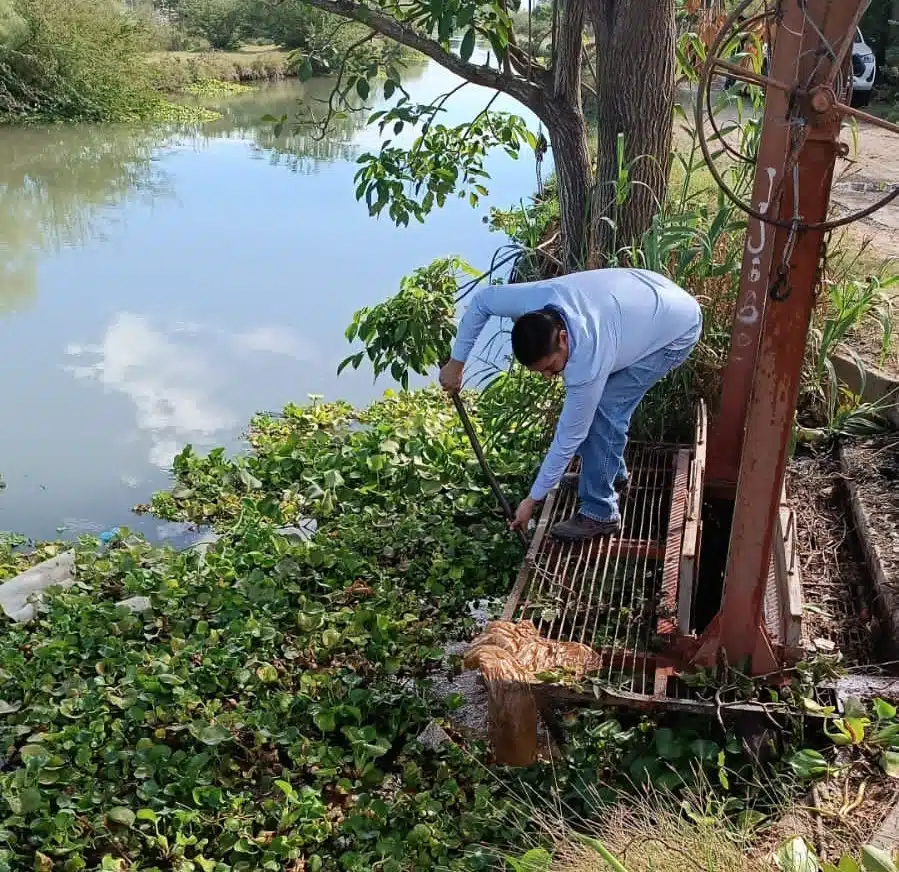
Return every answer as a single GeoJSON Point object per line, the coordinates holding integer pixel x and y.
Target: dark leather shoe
{"type": "Point", "coordinates": [581, 527]}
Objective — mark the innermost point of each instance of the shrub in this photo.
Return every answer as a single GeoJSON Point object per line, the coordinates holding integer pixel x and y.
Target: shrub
{"type": "Point", "coordinates": [74, 60]}
{"type": "Point", "coordinates": [218, 21]}
{"type": "Point", "coordinates": [291, 23]}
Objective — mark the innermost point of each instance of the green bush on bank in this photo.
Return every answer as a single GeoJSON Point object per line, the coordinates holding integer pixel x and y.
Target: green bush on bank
{"type": "Point", "coordinates": [73, 60]}
{"type": "Point", "coordinates": [93, 60]}
{"type": "Point", "coordinates": [176, 72]}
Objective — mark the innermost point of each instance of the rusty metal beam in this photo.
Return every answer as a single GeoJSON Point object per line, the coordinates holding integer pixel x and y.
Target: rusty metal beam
{"type": "Point", "coordinates": [666, 624]}
{"type": "Point", "coordinates": [815, 36]}
{"type": "Point", "coordinates": [758, 258]}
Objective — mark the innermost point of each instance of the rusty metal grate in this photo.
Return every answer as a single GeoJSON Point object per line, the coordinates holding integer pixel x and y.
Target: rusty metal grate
{"type": "Point", "coordinates": [616, 594]}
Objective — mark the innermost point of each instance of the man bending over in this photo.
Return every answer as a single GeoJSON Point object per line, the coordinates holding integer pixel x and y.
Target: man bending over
{"type": "Point", "coordinates": [611, 334]}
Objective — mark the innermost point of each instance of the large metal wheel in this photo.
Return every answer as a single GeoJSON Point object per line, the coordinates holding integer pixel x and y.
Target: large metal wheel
{"type": "Point", "coordinates": [809, 104]}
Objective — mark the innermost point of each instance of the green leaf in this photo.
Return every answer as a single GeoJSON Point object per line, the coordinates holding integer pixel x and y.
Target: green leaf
{"type": "Point", "coordinates": [468, 42]}
{"type": "Point", "coordinates": [668, 744]}
{"type": "Point", "coordinates": [9, 708]}
{"type": "Point", "coordinates": [888, 735]}
{"type": "Point", "coordinates": [210, 734]}
{"type": "Point", "coordinates": [146, 814]}
{"type": "Point", "coordinates": [389, 88]}
{"type": "Point", "coordinates": [808, 763]}
{"type": "Point", "coordinates": [856, 728]}
{"type": "Point", "coordinates": [883, 709]}
{"type": "Point", "coordinates": [749, 819]}
{"type": "Point", "coordinates": [30, 800]}
{"type": "Point", "coordinates": [705, 749]}
{"type": "Point", "coordinates": [333, 479]}
{"type": "Point", "coordinates": [31, 752]}
{"type": "Point", "coordinates": [324, 719]}
{"type": "Point", "coordinates": [362, 88]}
{"type": "Point", "coordinates": [535, 860]}
{"type": "Point", "coordinates": [848, 864]}
{"type": "Point", "coordinates": [121, 815]}
{"type": "Point", "coordinates": [890, 762]}
{"type": "Point", "coordinates": [796, 856]}
{"type": "Point", "coordinates": [248, 480]}
{"type": "Point", "coordinates": [813, 707]}
{"type": "Point", "coordinates": [267, 673]}
{"type": "Point", "coordinates": [875, 859]}
{"type": "Point", "coordinates": [181, 492]}
{"type": "Point", "coordinates": [330, 637]}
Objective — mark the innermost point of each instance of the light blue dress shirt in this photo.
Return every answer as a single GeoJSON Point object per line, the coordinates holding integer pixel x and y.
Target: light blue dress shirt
{"type": "Point", "coordinates": [614, 317]}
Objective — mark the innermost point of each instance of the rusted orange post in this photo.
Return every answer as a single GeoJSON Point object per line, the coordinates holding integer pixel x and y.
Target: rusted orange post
{"type": "Point", "coordinates": [797, 153]}
{"type": "Point", "coordinates": [726, 438]}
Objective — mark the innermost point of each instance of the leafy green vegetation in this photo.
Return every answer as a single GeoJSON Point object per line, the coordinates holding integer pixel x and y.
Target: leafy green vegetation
{"type": "Point", "coordinates": [80, 61]}
{"type": "Point", "coordinates": [16, 556]}
{"type": "Point", "coordinates": [74, 61]}
{"type": "Point", "coordinates": [93, 60]}
{"type": "Point", "coordinates": [410, 330]}
{"type": "Point", "coordinates": [216, 87]}
{"type": "Point", "coordinates": [263, 705]}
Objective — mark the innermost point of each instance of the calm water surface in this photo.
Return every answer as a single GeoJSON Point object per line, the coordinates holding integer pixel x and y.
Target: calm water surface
{"type": "Point", "coordinates": [159, 287]}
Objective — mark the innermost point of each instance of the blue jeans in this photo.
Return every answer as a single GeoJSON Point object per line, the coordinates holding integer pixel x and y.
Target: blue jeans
{"type": "Point", "coordinates": [602, 452]}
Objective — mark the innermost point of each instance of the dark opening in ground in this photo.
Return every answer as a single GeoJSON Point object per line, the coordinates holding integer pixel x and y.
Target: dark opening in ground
{"type": "Point", "coordinates": [717, 517]}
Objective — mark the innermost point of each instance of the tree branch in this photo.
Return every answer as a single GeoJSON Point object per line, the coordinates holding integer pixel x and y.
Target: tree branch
{"type": "Point", "coordinates": [525, 92]}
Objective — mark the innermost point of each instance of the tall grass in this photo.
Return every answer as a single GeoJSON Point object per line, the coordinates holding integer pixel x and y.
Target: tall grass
{"type": "Point", "coordinates": [651, 835]}
{"type": "Point", "coordinates": [173, 72]}
{"type": "Point", "coordinates": [74, 60]}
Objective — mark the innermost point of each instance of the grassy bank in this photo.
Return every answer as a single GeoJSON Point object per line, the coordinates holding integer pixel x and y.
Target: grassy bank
{"type": "Point", "coordinates": [174, 71]}
{"type": "Point", "coordinates": [96, 60]}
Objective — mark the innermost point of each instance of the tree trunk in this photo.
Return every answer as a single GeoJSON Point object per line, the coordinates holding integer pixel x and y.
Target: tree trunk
{"type": "Point", "coordinates": [568, 137]}
{"type": "Point", "coordinates": [567, 130]}
{"type": "Point", "coordinates": [636, 90]}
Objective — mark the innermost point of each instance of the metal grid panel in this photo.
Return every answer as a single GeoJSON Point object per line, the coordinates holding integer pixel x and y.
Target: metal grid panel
{"type": "Point", "coordinates": [604, 592]}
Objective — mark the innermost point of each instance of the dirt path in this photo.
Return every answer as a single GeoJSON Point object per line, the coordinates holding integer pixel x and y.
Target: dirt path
{"type": "Point", "coordinates": [866, 177]}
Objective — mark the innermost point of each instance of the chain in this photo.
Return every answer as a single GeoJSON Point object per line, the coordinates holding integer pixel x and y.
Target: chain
{"type": "Point", "coordinates": [780, 290]}
{"type": "Point", "coordinates": [821, 277]}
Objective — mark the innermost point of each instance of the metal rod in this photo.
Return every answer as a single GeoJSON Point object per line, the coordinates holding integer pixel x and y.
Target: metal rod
{"type": "Point", "coordinates": [488, 472]}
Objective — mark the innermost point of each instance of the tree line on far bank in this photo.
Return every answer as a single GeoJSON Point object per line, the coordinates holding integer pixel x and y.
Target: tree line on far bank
{"type": "Point", "coordinates": [104, 60]}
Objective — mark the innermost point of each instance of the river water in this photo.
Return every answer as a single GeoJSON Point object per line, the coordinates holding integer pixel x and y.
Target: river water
{"type": "Point", "coordinates": [158, 287]}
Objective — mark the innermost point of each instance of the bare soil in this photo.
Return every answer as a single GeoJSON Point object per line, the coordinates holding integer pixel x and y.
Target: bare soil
{"type": "Point", "coordinates": [835, 587]}
{"type": "Point", "coordinates": [874, 466]}
{"type": "Point", "coordinates": [845, 811]}
{"type": "Point", "coordinates": [869, 174]}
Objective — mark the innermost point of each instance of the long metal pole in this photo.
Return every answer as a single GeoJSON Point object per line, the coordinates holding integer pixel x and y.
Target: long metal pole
{"type": "Point", "coordinates": [488, 472]}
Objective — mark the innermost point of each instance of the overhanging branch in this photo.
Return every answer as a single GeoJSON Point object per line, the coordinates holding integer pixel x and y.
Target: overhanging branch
{"type": "Point", "coordinates": [525, 92]}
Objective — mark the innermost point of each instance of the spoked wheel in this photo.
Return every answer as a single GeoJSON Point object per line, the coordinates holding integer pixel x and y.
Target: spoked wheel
{"type": "Point", "coordinates": [748, 35]}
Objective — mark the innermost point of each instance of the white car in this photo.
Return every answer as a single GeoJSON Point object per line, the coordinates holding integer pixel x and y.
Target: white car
{"type": "Point", "coordinates": [864, 71]}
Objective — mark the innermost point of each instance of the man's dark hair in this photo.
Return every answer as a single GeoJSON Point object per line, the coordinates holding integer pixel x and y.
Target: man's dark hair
{"type": "Point", "coordinates": [535, 335]}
